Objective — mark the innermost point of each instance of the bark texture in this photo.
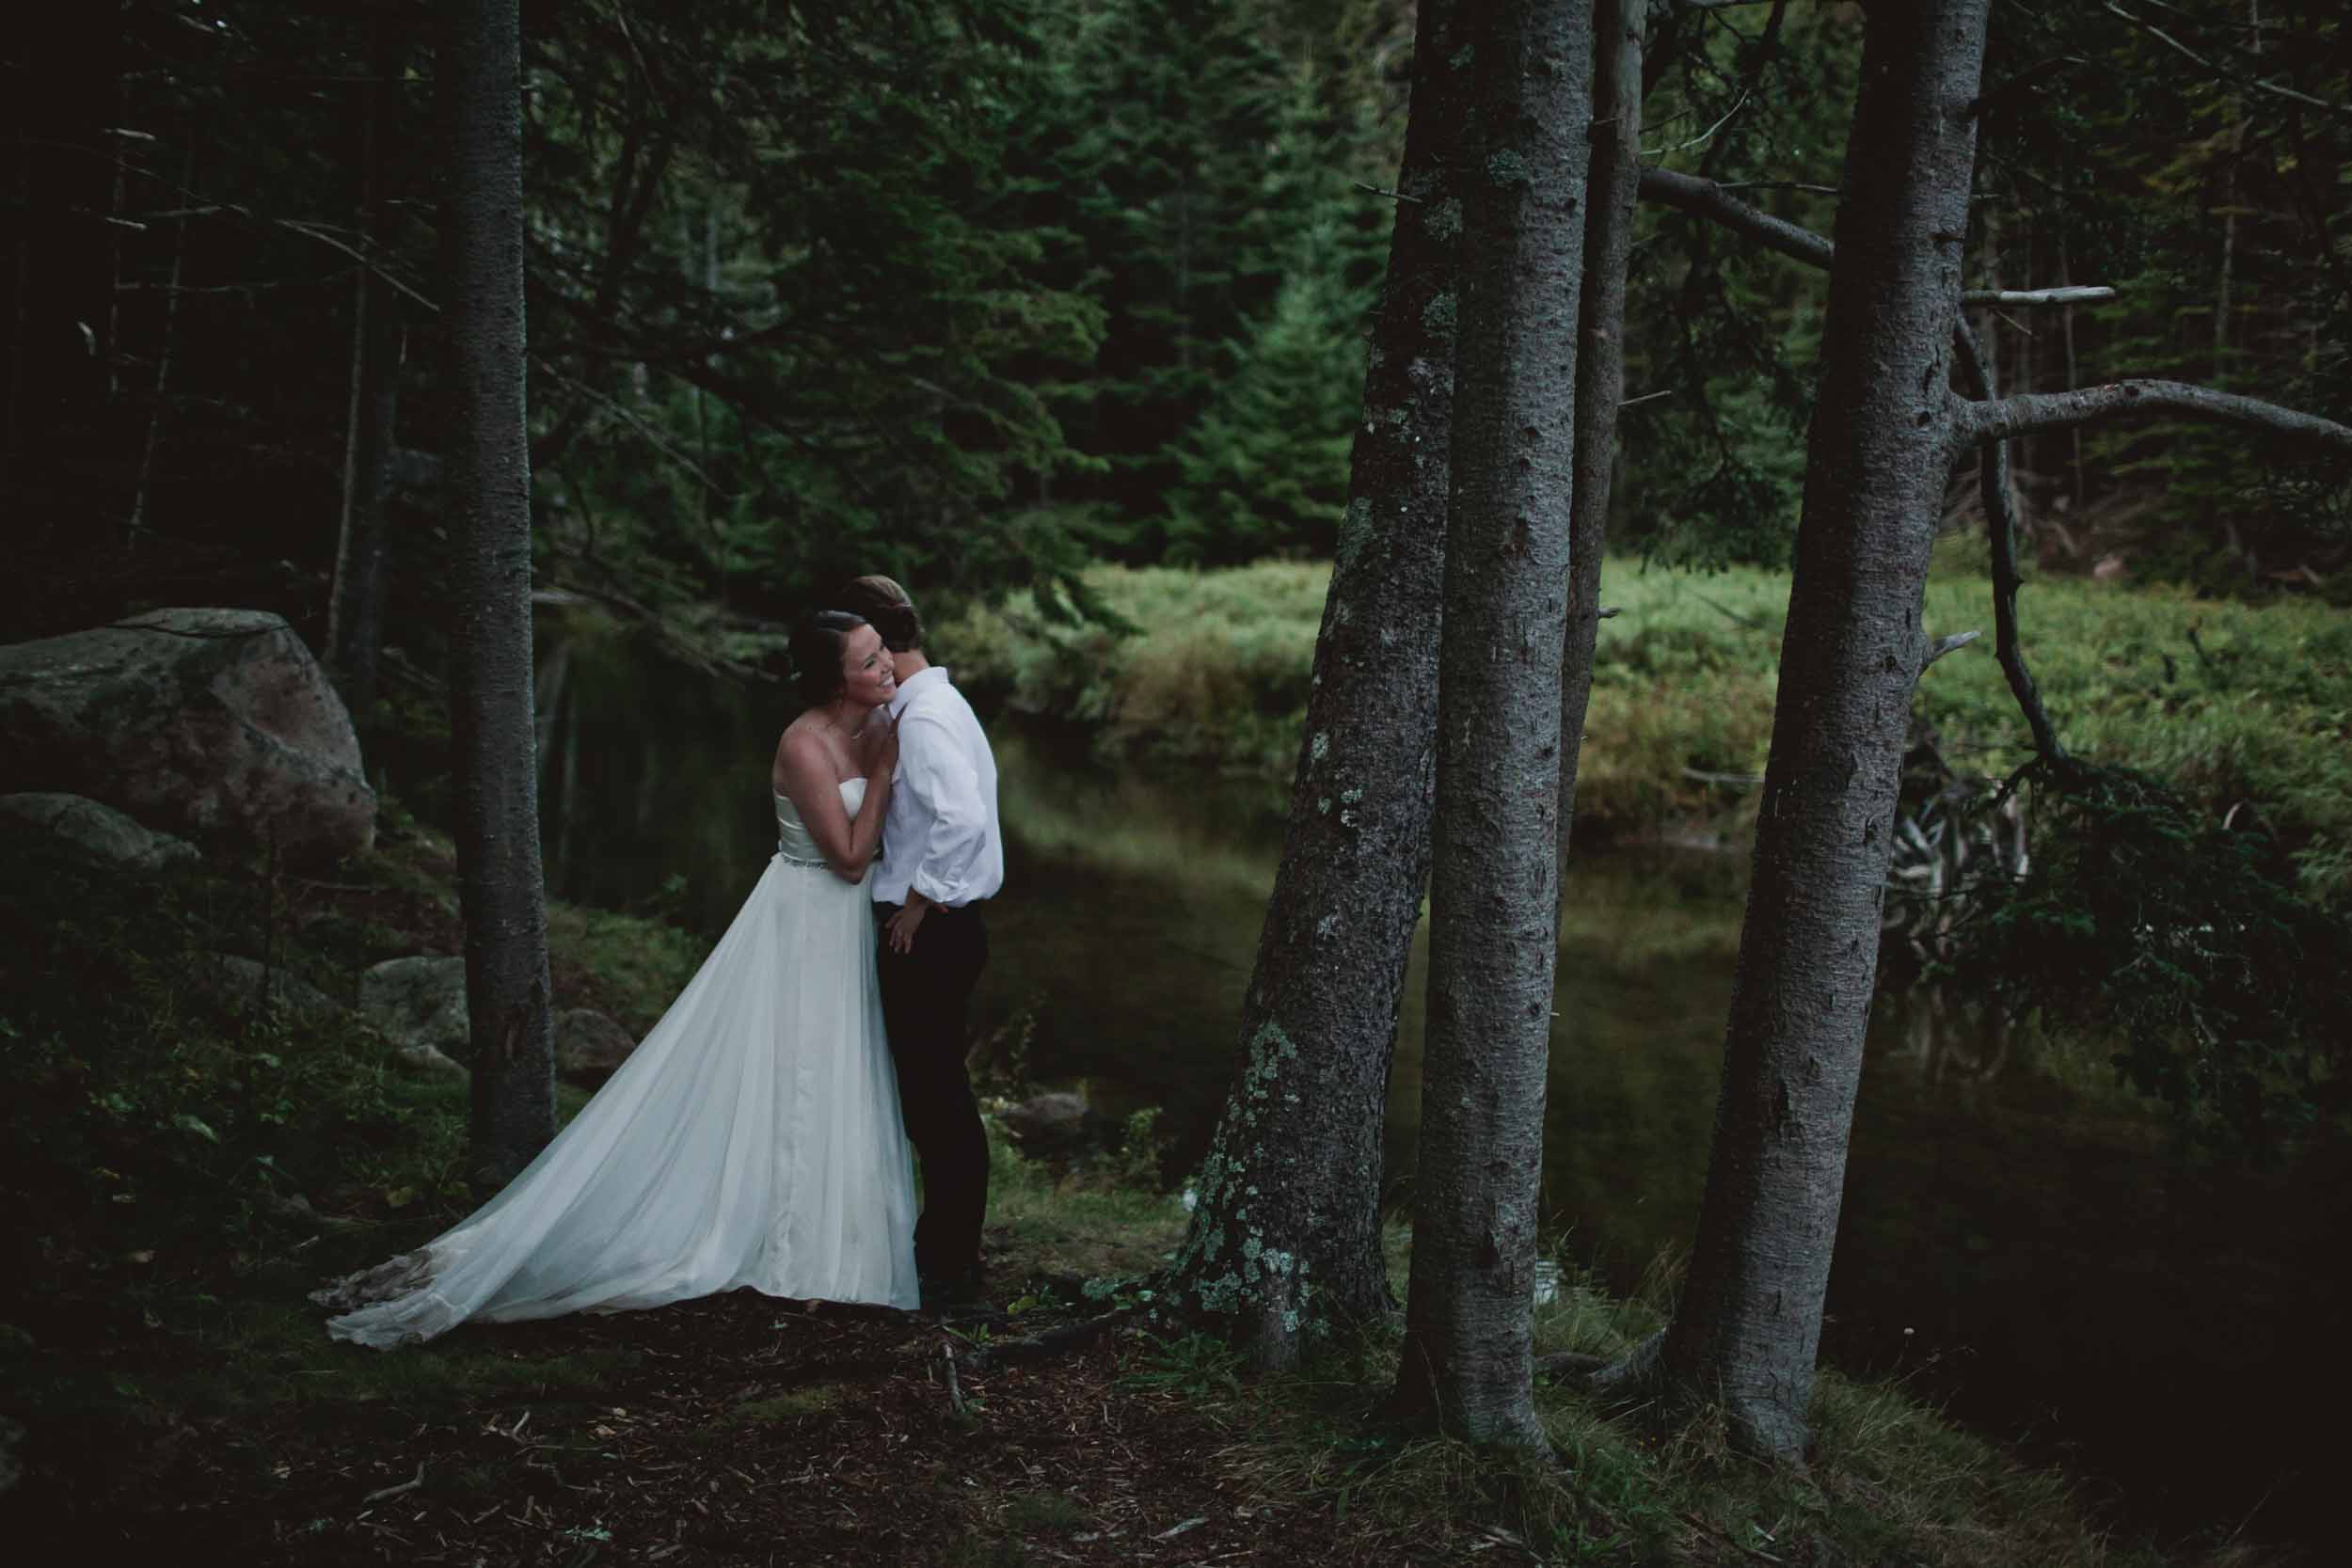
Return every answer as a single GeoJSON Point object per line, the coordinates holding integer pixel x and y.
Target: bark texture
{"type": "Point", "coordinates": [487, 467]}
{"type": "Point", "coordinates": [1467, 1356]}
{"type": "Point", "coordinates": [1285, 1238]}
{"type": "Point", "coordinates": [1612, 188]}
{"type": "Point", "coordinates": [1749, 1326]}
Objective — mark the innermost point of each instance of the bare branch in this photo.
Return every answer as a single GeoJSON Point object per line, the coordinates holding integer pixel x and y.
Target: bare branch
{"type": "Point", "coordinates": [318, 231]}
{"type": "Point", "coordinates": [2230, 76]}
{"type": "Point", "coordinates": [2072, 294]}
{"type": "Point", "coordinates": [2000, 526]}
{"type": "Point", "coordinates": [1951, 644]}
{"type": "Point", "coordinates": [1689, 193]}
{"type": "Point", "coordinates": [1807, 186]}
{"type": "Point", "coordinates": [1707, 199]}
{"type": "Point", "coordinates": [2033, 413]}
{"type": "Point", "coordinates": [1737, 104]}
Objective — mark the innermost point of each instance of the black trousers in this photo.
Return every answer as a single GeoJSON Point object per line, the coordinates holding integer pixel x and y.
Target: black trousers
{"type": "Point", "coordinates": [926, 998]}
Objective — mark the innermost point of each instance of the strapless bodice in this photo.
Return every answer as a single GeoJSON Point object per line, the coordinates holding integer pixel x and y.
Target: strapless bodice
{"type": "Point", "coordinates": [793, 840]}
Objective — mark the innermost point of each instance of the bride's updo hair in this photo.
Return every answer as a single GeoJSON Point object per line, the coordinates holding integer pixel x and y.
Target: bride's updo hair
{"type": "Point", "coordinates": [888, 609]}
{"type": "Point", "coordinates": [817, 654]}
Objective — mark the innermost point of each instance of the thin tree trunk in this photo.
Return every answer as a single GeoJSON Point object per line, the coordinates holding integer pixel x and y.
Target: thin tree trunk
{"type": "Point", "coordinates": [1467, 1358]}
{"type": "Point", "coordinates": [2223, 283]}
{"type": "Point", "coordinates": [1615, 187]}
{"type": "Point", "coordinates": [1285, 1238]}
{"type": "Point", "coordinates": [163, 357]}
{"type": "Point", "coordinates": [355, 617]}
{"type": "Point", "coordinates": [1749, 1326]}
{"type": "Point", "coordinates": [2073, 374]}
{"type": "Point", "coordinates": [488, 470]}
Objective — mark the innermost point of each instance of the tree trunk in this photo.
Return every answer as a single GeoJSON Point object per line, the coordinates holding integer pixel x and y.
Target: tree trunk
{"type": "Point", "coordinates": [168, 342]}
{"type": "Point", "coordinates": [487, 467]}
{"type": "Point", "coordinates": [1285, 1238]}
{"type": "Point", "coordinates": [1615, 186]}
{"type": "Point", "coordinates": [1878, 454]}
{"type": "Point", "coordinates": [354, 615]}
{"type": "Point", "coordinates": [1494, 899]}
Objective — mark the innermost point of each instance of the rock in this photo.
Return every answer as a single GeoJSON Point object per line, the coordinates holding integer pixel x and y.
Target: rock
{"type": "Point", "coordinates": [419, 1006]}
{"type": "Point", "coordinates": [243, 983]}
{"type": "Point", "coordinates": [84, 830]}
{"type": "Point", "coordinates": [214, 725]}
{"type": "Point", "coordinates": [1049, 1122]}
{"type": "Point", "coordinates": [590, 1047]}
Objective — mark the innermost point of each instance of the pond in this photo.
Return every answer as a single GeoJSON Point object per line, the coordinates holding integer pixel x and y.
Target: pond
{"type": "Point", "coordinates": [2017, 1235]}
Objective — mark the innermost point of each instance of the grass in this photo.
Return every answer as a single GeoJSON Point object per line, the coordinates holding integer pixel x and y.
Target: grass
{"type": "Point", "coordinates": [795, 1404]}
{"type": "Point", "coordinates": [2243, 706]}
{"type": "Point", "coordinates": [1094, 1226]}
{"type": "Point", "coordinates": [1888, 1481]}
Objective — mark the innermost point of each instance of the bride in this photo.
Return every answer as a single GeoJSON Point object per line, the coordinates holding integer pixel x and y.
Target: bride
{"type": "Point", "coordinates": [754, 1138]}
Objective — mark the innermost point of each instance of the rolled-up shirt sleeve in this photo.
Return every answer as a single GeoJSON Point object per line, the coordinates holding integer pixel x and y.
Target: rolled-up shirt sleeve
{"type": "Point", "coordinates": [948, 791]}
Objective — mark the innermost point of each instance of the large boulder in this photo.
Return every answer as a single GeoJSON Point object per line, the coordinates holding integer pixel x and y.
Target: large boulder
{"type": "Point", "coordinates": [1053, 1123]}
{"type": "Point", "coordinates": [81, 830]}
{"type": "Point", "coordinates": [590, 1047]}
{"type": "Point", "coordinates": [244, 983]}
{"type": "Point", "coordinates": [214, 725]}
{"type": "Point", "coordinates": [419, 1006]}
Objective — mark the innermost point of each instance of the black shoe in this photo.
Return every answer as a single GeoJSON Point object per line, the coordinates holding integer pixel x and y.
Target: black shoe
{"type": "Point", "coordinates": [957, 1291]}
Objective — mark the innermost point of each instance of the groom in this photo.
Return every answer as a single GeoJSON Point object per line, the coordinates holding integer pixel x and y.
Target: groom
{"type": "Point", "coordinates": [942, 857]}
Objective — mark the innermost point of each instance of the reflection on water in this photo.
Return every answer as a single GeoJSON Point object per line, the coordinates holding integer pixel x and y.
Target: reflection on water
{"type": "Point", "coordinates": [2032, 1250]}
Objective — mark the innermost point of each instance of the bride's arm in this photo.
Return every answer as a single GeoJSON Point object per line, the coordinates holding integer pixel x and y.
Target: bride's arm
{"type": "Point", "coordinates": [805, 774]}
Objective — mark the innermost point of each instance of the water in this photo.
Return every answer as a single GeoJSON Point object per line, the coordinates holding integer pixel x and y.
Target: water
{"type": "Point", "coordinates": [2016, 1236]}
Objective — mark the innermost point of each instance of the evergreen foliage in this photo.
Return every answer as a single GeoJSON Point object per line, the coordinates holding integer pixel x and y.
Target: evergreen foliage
{"type": "Point", "coordinates": [978, 292]}
{"type": "Point", "coordinates": [2183, 934]}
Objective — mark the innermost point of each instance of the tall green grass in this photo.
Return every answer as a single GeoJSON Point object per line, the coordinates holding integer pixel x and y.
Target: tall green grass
{"type": "Point", "coordinates": [2245, 707]}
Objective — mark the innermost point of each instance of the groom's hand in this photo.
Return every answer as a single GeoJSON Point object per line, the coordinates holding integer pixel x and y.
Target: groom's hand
{"type": "Point", "coordinates": [899, 931]}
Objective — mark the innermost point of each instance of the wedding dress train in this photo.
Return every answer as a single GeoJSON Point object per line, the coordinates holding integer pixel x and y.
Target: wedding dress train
{"type": "Point", "coordinates": [752, 1138]}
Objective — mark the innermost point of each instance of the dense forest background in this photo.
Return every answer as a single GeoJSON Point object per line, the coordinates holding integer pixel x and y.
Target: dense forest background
{"type": "Point", "coordinates": [980, 292]}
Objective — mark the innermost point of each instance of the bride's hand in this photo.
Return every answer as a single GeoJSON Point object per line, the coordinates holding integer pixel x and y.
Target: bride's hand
{"type": "Point", "coordinates": [880, 741]}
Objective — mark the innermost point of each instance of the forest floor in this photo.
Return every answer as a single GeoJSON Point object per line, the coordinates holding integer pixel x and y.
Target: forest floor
{"type": "Point", "coordinates": [733, 1430]}
{"type": "Point", "coordinates": [741, 1430]}
{"type": "Point", "coordinates": [184, 1167]}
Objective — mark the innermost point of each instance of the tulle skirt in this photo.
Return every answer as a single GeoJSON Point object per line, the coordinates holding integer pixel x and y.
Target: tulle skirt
{"type": "Point", "coordinates": [752, 1138]}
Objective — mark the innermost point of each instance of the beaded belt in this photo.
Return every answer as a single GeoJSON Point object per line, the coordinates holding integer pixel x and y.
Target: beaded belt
{"type": "Point", "coordinates": [790, 859]}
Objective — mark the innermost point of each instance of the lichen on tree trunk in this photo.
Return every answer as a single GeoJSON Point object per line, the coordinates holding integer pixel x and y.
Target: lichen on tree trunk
{"type": "Point", "coordinates": [1285, 1237]}
{"type": "Point", "coordinates": [1468, 1359]}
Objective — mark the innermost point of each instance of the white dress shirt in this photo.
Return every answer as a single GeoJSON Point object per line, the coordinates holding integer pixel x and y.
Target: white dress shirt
{"type": "Point", "coordinates": [940, 835]}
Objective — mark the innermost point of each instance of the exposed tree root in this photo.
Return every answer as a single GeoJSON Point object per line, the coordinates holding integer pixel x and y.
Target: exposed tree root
{"type": "Point", "coordinates": [1058, 1340]}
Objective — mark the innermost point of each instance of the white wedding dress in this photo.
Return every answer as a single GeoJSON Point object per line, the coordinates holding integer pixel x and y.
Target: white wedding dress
{"type": "Point", "coordinates": [752, 1138]}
